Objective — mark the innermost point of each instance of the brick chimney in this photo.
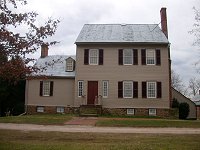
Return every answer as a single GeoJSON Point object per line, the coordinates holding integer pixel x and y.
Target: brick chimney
{"type": "Point", "coordinates": [163, 16]}
{"type": "Point", "coordinates": [44, 50]}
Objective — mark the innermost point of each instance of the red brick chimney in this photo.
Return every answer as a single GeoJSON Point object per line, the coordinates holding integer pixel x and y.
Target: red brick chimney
{"type": "Point", "coordinates": [44, 50]}
{"type": "Point", "coordinates": [163, 16]}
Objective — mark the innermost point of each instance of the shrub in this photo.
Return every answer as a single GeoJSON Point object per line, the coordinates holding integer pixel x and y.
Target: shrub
{"type": "Point", "coordinates": [175, 103]}
{"type": "Point", "coordinates": [183, 110]}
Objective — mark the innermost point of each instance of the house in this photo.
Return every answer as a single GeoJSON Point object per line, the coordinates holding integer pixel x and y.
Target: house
{"type": "Point", "coordinates": [196, 100]}
{"type": "Point", "coordinates": [123, 68]}
{"type": "Point", "coordinates": [182, 99]}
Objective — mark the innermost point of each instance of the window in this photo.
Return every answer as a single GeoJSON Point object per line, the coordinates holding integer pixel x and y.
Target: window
{"type": "Point", "coordinates": [80, 88]}
{"type": "Point", "coordinates": [128, 56]}
{"type": "Point", "coordinates": [151, 89]}
{"type": "Point", "coordinates": [130, 111]}
{"type": "Point", "coordinates": [105, 89]}
{"type": "Point", "coordinates": [60, 109]}
{"type": "Point", "coordinates": [40, 109]}
{"type": "Point", "coordinates": [46, 88]}
{"type": "Point", "coordinates": [93, 57]}
{"type": "Point", "coordinates": [128, 89]}
{"type": "Point", "coordinates": [69, 64]}
{"type": "Point", "coordinates": [152, 112]}
{"type": "Point", "coordinates": [150, 57]}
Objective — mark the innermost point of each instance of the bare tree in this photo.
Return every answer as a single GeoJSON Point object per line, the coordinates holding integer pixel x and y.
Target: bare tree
{"type": "Point", "coordinates": [194, 86]}
{"type": "Point", "coordinates": [177, 83]}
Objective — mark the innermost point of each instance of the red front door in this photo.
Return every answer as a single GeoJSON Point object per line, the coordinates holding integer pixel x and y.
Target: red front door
{"type": "Point", "coordinates": [92, 92]}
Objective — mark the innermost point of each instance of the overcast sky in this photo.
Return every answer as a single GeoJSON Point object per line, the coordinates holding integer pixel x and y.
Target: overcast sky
{"type": "Point", "coordinates": [73, 14]}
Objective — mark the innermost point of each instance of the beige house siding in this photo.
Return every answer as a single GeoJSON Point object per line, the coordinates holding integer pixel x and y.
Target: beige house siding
{"type": "Point", "coordinates": [182, 99]}
{"type": "Point", "coordinates": [63, 90]}
{"type": "Point", "coordinates": [112, 72]}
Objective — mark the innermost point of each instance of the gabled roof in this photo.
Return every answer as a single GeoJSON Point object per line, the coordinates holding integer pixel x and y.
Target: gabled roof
{"type": "Point", "coordinates": [54, 66]}
{"type": "Point", "coordinates": [121, 33]}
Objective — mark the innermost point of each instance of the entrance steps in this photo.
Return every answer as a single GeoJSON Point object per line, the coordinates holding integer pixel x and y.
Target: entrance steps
{"type": "Point", "coordinates": [90, 110]}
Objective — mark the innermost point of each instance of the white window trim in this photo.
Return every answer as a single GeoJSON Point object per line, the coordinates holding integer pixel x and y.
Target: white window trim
{"type": "Point", "coordinates": [97, 50]}
{"type": "Point", "coordinates": [130, 56]}
{"type": "Point", "coordinates": [154, 56]}
{"type": "Point", "coordinates": [128, 112]}
{"type": "Point", "coordinates": [44, 88]}
{"type": "Point", "coordinates": [124, 89]}
{"type": "Point", "coordinates": [70, 66]}
{"type": "Point", "coordinates": [155, 90]}
{"type": "Point", "coordinates": [154, 113]}
{"type": "Point", "coordinates": [80, 95]}
{"type": "Point", "coordinates": [60, 109]}
{"type": "Point", "coordinates": [107, 83]}
{"type": "Point", "coordinates": [40, 109]}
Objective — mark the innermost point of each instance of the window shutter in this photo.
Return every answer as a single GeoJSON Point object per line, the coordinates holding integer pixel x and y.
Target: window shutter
{"type": "Point", "coordinates": [135, 89]}
{"type": "Point", "coordinates": [74, 65]}
{"type": "Point", "coordinates": [41, 88]}
{"type": "Point", "coordinates": [120, 56]}
{"type": "Point", "coordinates": [86, 56]}
{"type": "Point", "coordinates": [135, 57]}
{"type": "Point", "coordinates": [120, 89]}
{"type": "Point", "coordinates": [143, 54]}
{"type": "Point", "coordinates": [159, 89]}
{"type": "Point", "coordinates": [144, 90]}
{"type": "Point", "coordinates": [51, 88]}
{"type": "Point", "coordinates": [100, 56]}
{"type": "Point", "coordinates": [158, 62]}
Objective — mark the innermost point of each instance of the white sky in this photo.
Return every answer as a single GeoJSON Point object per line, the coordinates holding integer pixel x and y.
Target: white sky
{"type": "Point", "coordinates": [75, 13]}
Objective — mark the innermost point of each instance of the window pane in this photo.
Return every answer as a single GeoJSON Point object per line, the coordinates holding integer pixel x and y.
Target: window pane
{"type": "Point", "coordinates": [80, 88]}
{"type": "Point", "coordinates": [46, 88]}
{"type": "Point", "coordinates": [150, 56]}
{"type": "Point", "coordinates": [152, 112]}
{"type": "Point", "coordinates": [105, 89]}
{"type": "Point", "coordinates": [151, 89]}
{"type": "Point", "coordinates": [60, 109]}
{"type": "Point", "coordinates": [128, 89]}
{"type": "Point", "coordinates": [40, 109]}
{"type": "Point", "coordinates": [128, 56]}
{"type": "Point", "coordinates": [94, 56]}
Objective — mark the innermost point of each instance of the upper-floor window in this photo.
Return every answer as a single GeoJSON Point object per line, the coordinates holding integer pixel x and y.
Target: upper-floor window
{"type": "Point", "coordinates": [127, 89]}
{"type": "Point", "coordinates": [93, 57]}
{"type": "Point", "coordinates": [151, 89]}
{"type": "Point", "coordinates": [128, 57]}
{"type": "Point", "coordinates": [69, 64]}
{"type": "Point", "coordinates": [150, 57]}
{"type": "Point", "coordinates": [46, 88]}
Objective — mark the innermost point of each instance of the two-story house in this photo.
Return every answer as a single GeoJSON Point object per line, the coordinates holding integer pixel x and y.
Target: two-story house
{"type": "Point", "coordinates": [124, 68]}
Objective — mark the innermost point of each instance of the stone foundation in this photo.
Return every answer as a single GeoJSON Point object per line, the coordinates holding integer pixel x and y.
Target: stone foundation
{"type": "Point", "coordinates": [51, 110]}
{"type": "Point", "coordinates": [164, 113]}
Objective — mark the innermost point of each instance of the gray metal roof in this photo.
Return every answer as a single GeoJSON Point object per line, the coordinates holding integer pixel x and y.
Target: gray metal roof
{"type": "Point", "coordinates": [54, 66]}
{"type": "Point", "coordinates": [121, 33]}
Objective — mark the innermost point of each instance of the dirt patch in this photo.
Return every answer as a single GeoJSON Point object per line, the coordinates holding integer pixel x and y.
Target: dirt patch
{"type": "Point", "coordinates": [90, 121]}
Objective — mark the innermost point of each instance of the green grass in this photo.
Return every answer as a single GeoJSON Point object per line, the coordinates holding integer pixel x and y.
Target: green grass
{"type": "Point", "coordinates": [148, 123]}
{"type": "Point", "coordinates": [21, 140]}
{"type": "Point", "coordinates": [43, 119]}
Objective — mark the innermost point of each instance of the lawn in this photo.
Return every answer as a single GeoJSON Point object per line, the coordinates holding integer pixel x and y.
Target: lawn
{"type": "Point", "coordinates": [43, 119]}
{"type": "Point", "coordinates": [145, 122]}
{"type": "Point", "coordinates": [15, 140]}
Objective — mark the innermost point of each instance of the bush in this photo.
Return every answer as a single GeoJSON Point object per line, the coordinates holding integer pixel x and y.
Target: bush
{"type": "Point", "coordinates": [183, 110]}
{"type": "Point", "coordinates": [175, 103]}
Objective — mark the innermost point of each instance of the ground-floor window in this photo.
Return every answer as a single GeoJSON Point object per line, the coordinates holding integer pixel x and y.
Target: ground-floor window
{"type": "Point", "coordinates": [152, 112]}
{"type": "Point", "coordinates": [105, 89]}
{"type": "Point", "coordinates": [80, 88]}
{"type": "Point", "coordinates": [60, 109]}
{"type": "Point", "coordinates": [40, 109]}
{"type": "Point", "coordinates": [130, 111]}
